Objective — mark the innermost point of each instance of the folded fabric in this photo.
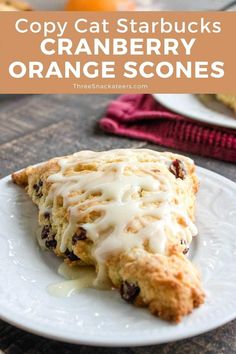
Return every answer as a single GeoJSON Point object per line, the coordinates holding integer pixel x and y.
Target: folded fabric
{"type": "Point", "coordinates": [142, 117]}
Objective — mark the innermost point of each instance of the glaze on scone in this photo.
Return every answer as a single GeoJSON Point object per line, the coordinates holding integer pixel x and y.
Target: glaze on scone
{"type": "Point", "coordinates": [130, 213]}
{"type": "Point", "coordinates": [14, 5]}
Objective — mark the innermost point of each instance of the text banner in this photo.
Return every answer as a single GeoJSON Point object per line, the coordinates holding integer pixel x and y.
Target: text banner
{"type": "Point", "coordinates": [117, 52]}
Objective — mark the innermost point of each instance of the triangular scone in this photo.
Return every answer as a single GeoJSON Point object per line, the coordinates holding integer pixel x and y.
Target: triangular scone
{"type": "Point", "coordinates": [129, 213]}
{"type": "Point", "coordinates": [228, 100]}
{"type": "Point", "coordinates": [14, 5]}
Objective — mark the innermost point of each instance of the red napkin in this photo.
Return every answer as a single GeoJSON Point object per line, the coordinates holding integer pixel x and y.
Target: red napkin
{"type": "Point", "coordinates": [142, 117]}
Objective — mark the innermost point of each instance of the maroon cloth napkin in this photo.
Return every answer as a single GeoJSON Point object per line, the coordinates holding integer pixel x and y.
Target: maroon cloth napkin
{"type": "Point", "coordinates": [142, 117]}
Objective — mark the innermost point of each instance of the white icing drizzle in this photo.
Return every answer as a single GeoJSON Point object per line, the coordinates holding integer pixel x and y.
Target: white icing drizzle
{"type": "Point", "coordinates": [133, 193]}
{"type": "Point", "coordinates": [77, 279]}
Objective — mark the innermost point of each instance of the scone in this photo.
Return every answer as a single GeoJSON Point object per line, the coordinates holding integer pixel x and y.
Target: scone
{"type": "Point", "coordinates": [227, 99]}
{"type": "Point", "coordinates": [130, 214]}
{"type": "Point", "coordinates": [14, 5]}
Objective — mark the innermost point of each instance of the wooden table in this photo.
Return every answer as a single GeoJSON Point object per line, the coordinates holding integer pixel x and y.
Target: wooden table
{"type": "Point", "coordinates": [35, 128]}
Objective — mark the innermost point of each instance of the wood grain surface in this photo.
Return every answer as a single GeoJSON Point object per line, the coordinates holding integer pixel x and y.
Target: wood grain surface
{"type": "Point", "coordinates": [34, 128]}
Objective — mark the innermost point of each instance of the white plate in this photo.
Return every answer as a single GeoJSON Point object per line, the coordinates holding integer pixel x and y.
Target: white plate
{"type": "Point", "coordinates": [101, 317]}
{"type": "Point", "coordinates": [190, 106]}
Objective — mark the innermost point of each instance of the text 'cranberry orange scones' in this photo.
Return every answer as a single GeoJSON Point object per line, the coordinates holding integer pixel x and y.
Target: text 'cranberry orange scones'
{"type": "Point", "coordinates": [130, 214]}
{"type": "Point", "coordinates": [14, 5]}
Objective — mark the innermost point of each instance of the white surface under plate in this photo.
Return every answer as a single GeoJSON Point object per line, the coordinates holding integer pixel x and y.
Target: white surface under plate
{"type": "Point", "coordinates": [101, 317]}
{"type": "Point", "coordinates": [213, 112]}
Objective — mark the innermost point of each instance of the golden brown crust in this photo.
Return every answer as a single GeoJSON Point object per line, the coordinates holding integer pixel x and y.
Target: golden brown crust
{"type": "Point", "coordinates": [169, 286]}
{"type": "Point", "coordinates": [228, 100]}
{"type": "Point", "coordinates": [24, 177]}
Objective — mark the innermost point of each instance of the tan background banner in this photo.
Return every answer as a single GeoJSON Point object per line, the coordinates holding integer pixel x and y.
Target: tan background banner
{"type": "Point", "coordinates": [204, 58]}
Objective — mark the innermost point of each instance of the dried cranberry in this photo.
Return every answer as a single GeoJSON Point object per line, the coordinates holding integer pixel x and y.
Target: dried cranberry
{"type": "Point", "coordinates": [50, 238]}
{"type": "Point", "coordinates": [186, 249]}
{"type": "Point", "coordinates": [51, 244]}
{"type": "Point", "coordinates": [37, 187]}
{"type": "Point", "coordinates": [47, 215]}
{"type": "Point", "coordinates": [45, 231]}
{"type": "Point", "coordinates": [79, 237]}
{"type": "Point", "coordinates": [129, 291]}
{"type": "Point", "coordinates": [71, 256]}
{"type": "Point", "coordinates": [178, 169]}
